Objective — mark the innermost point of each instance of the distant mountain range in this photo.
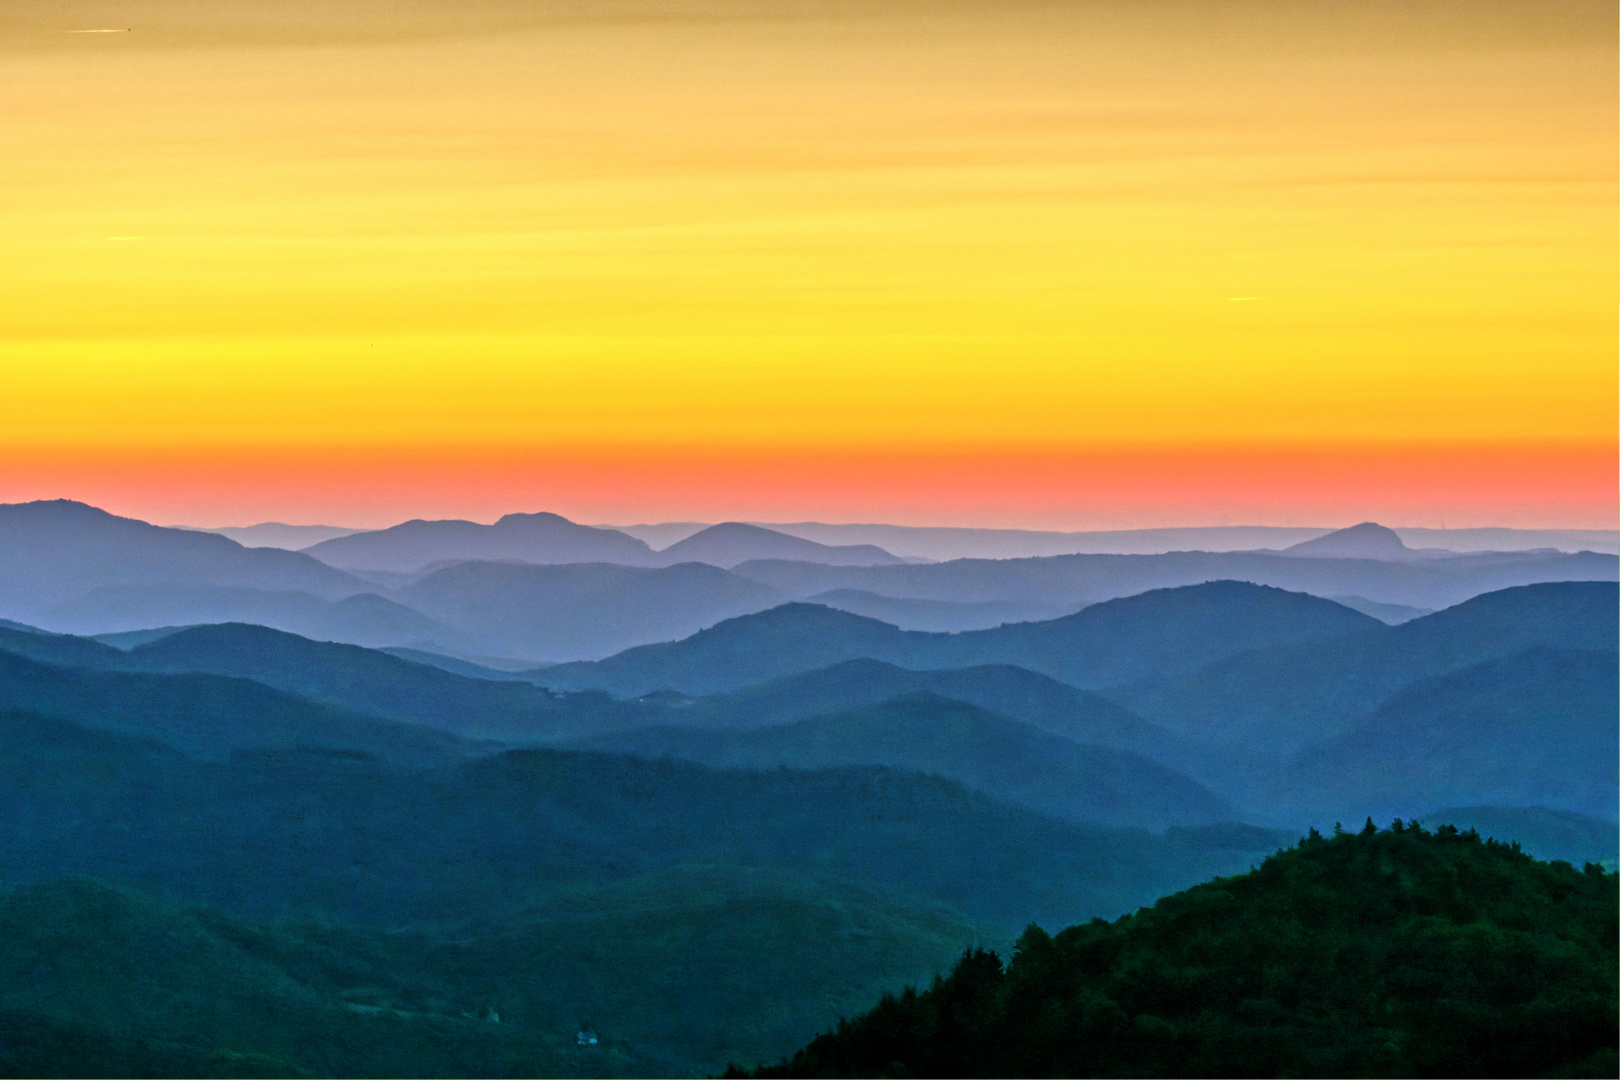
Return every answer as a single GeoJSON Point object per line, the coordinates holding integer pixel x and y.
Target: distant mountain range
{"type": "Point", "coordinates": [1429, 583]}
{"type": "Point", "coordinates": [942, 544]}
{"type": "Point", "coordinates": [517, 591]}
{"type": "Point", "coordinates": [547, 539]}
{"type": "Point", "coordinates": [1260, 695]}
{"type": "Point", "coordinates": [701, 849]}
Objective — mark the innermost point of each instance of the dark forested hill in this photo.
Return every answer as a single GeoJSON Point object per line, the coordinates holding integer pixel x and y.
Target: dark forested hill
{"type": "Point", "coordinates": [926, 733]}
{"type": "Point", "coordinates": [1397, 953]}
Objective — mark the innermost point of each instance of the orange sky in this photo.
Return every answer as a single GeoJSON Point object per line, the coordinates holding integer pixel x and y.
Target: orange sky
{"type": "Point", "coordinates": [1057, 264]}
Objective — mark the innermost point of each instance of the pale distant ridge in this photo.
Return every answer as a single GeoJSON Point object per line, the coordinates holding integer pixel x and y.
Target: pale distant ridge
{"type": "Point", "coordinates": [942, 543]}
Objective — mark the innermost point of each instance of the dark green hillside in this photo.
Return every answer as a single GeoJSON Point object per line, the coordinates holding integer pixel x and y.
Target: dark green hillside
{"type": "Point", "coordinates": [722, 958]}
{"type": "Point", "coordinates": [102, 981]}
{"type": "Point", "coordinates": [1397, 953]}
{"type": "Point", "coordinates": [210, 715]}
{"type": "Point", "coordinates": [926, 733]}
{"type": "Point", "coordinates": [371, 681]}
{"type": "Point", "coordinates": [676, 972]}
{"type": "Point", "coordinates": [1154, 633]}
{"type": "Point", "coordinates": [1537, 728]}
{"type": "Point", "coordinates": [298, 830]}
{"type": "Point", "coordinates": [1038, 700]}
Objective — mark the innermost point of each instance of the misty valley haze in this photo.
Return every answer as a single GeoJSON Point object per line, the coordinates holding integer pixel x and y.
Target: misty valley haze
{"type": "Point", "coordinates": [658, 811]}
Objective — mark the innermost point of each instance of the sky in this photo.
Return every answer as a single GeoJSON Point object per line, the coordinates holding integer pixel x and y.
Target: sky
{"type": "Point", "coordinates": [1064, 264]}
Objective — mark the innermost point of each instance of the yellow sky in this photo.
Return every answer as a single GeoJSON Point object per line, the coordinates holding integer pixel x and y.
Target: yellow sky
{"type": "Point", "coordinates": [783, 223]}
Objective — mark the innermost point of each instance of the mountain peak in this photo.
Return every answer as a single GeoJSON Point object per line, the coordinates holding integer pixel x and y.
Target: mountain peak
{"type": "Point", "coordinates": [1369, 540]}
{"type": "Point", "coordinates": [540, 538]}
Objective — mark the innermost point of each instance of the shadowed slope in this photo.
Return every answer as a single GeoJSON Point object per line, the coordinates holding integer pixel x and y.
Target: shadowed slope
{"type": "Point", "coordinates": [978, 749]}
{"type": "Point", "coordinates": [370, 681]}
{"type": "Point", "coordinates": [1119, 641]}
{"type": "Point", "coordinates": [209, 714]}
{"type": "Point", "coordinates": [1278, 699]}
{"type": "Point", "coordinates": [1537, 728]}
{"type": "Point", "coordinates": [1023, 695]}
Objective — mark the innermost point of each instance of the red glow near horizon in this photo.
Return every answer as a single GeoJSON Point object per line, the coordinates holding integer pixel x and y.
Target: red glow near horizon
{"type": "Point", "coordinates": [1545, 486]}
